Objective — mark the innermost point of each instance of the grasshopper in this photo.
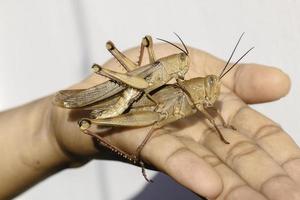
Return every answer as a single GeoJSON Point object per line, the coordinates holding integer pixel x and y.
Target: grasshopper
{"type": "Point", "coordinates": [175, 102]}
{"type": "Point", "coordinates": [125, 88]}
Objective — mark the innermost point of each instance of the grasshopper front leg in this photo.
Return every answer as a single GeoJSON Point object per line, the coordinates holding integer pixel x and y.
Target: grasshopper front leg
{"type": "Point", "coordinates": [212, 121]}
{"type": "Point", "coordinates": [226, 125]}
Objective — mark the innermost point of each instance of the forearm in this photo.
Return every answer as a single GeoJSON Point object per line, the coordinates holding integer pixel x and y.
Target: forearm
{"type": "Point", "coordinates": [28, 149]}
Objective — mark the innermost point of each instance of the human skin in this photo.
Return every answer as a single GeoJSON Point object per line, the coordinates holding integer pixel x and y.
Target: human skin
{"type": "Point", "coordinates": [261, 162]}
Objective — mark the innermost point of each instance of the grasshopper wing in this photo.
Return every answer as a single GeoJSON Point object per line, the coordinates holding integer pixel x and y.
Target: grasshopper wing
{"type": "Point", "coordinates": [83, 97]}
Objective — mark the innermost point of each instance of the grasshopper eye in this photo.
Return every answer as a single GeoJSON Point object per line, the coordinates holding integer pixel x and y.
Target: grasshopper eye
{"type": "Point", "coordinates": [182, 56]}
{"type": "Point", "coordinates": [210, 80]}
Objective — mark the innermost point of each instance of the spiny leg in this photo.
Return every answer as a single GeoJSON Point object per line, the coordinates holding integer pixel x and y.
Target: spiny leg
{"type": "Point", "coordinates": [84, 125]}
{"type": "Point", "coordinates": [147, 42]}
{"type": "Point", "coordinates": [142, 118]}
{"type": "Point", "coordinates": [115, 149]}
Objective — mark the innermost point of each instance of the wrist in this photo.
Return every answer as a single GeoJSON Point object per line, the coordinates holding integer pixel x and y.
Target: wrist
{"type": "Point", "coordinates": [66, 137]}
{"type": "Point", "coordinates": [42, 151]}
{"type": "Point", "coordinates": [29, 152]}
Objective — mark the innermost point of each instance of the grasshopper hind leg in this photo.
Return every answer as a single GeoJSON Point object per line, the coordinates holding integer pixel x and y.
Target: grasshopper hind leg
{"type": "Point", "coordinates": [127, 63]}
{"type": "Point", "coordinates": [85, 124]}
{"type": "Point", "coordinates": [143, 118]}
{"type": "Point", "coordinates": [130, 157]}
{"type": "Point", "coordinates": [147, 43]}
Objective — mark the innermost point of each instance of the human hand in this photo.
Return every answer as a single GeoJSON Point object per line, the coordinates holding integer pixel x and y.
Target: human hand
{"type": "Point", "coordinates": [192, 154]}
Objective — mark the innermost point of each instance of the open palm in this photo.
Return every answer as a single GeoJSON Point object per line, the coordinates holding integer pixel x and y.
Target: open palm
{"type": "Point", "coordinates": [261, 161]}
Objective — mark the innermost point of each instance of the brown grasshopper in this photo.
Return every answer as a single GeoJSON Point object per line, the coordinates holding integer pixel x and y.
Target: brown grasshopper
{"type": "Point", "coordinates": [174, 102]}
{"type": "Point", "coordinates": [125, 88]}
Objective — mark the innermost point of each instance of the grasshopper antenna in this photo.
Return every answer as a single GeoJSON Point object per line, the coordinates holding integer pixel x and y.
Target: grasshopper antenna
{"type": "Point", "coordinates": [236, 63]}
{"type": "Point", "coordinates": [231, 54]}
{"type": "Point", "coordinates": [186, 53]}
{"type": "Point", "coordinates": [186, 50]}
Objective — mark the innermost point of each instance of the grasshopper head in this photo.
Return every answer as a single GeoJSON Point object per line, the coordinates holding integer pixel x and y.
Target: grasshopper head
{"type": "Point", "coordinates": [212, 89]}
{"type": "Point", "coordinates": [176, 65]}
{"type": "Point", "coordinates": [183, 66]}
{"type": "Point", "coordinates": [202, 90]}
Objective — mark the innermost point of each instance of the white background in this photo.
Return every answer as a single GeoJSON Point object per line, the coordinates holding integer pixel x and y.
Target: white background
{"type": "Point", "coordinates": [46, 46]}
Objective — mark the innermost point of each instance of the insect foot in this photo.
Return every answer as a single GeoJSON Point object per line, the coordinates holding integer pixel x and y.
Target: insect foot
{"type": "Point", "coordinates": [144, 172]}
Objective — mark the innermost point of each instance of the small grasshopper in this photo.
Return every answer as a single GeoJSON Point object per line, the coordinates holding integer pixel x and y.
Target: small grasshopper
{"type": "Point", "coordinates": [128, 87]}
{"type": "Point", "coordinates": [175, 102]}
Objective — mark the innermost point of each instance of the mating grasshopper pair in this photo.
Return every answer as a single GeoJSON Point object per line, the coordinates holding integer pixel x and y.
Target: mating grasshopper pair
{"type": "Point", "coordinates": [141, 97]}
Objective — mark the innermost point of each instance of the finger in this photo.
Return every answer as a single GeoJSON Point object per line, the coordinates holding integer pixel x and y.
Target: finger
{"type": "Point", "coordinates": [257, 83]}
{"type": "Point", "coordinates": [171, 156]}
{"type": "Point", "coordinates": [233, 186]}
{"type": "Point", "coordinates": [253, 83]}
{"type": "Point", "coordinates": [258, 169]}
{"type": "Point", "coordinates": [268, 136]}
{"type": "Point", "coordinates": [271, 138]}
{"type": "Point", "coordinates": [266, 133]}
